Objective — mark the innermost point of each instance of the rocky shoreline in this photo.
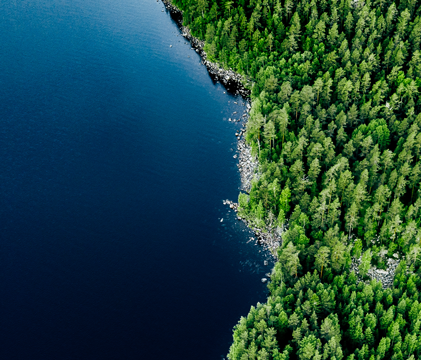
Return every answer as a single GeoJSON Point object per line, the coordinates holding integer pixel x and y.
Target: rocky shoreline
{"type": "Point", "coordinates": [233, 81]}
{"type": "Point", "coordinates": [269, 239]}
{"type": "Point", "coordinates": [247, 165]}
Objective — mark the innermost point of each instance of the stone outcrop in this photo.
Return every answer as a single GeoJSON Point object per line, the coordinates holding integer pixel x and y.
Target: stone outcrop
{"type": "Point", "coordinates": [385, 276]}
{"type": "Point", "coordinates": [247, 165]}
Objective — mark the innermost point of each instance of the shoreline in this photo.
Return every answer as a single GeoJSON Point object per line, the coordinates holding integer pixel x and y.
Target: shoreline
{"type": "Point", "coordinates": [270, 239]}
{"type": "Point", "coordinates": [229, 78]}
{"type": "Point", "coordinates": [343, 239]}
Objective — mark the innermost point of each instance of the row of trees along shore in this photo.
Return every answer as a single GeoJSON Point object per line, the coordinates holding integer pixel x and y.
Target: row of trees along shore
{"type": "Point", "coordinates": [335, 123]}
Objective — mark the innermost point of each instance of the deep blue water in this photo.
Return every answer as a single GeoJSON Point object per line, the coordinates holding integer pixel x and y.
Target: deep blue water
{"type": "Point", "coordinates": [115, 155]}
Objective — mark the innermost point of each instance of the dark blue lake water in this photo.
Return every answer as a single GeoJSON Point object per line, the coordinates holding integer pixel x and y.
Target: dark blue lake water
{"type": "Point", "coordinates": [115, 156]}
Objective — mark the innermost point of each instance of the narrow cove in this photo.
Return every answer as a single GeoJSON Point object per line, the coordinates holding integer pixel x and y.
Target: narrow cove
{"type": "Point", "coordinates": [117, 153]}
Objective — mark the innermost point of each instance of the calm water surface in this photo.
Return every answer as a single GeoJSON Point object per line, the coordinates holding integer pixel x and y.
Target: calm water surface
{"type": "Point", "coordinates": [115, 157]}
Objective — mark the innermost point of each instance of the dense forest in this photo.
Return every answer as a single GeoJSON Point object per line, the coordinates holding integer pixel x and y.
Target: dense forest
{"type": "Point", "coordinates": [335, 123]}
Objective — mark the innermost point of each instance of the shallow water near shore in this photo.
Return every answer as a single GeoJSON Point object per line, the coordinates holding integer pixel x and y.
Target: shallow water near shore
{"type": "Point", "coordinates": [116, 154]}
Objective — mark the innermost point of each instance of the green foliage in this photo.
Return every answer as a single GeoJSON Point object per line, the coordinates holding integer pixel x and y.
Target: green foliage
{"type": "Point", "coordinates": [313, 319]}
{"type": "Point", "coordinates": [365, 263]}
{"type": "Point", "coordinates": [335, 124]}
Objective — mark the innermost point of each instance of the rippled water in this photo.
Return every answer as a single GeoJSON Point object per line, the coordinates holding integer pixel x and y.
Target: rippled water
{"type": "Point", "coordinates": [115, 155]}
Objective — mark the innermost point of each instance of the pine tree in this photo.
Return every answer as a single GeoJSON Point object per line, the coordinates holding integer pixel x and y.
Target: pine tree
{"type": "Point", "coordinates": [322, 259]}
